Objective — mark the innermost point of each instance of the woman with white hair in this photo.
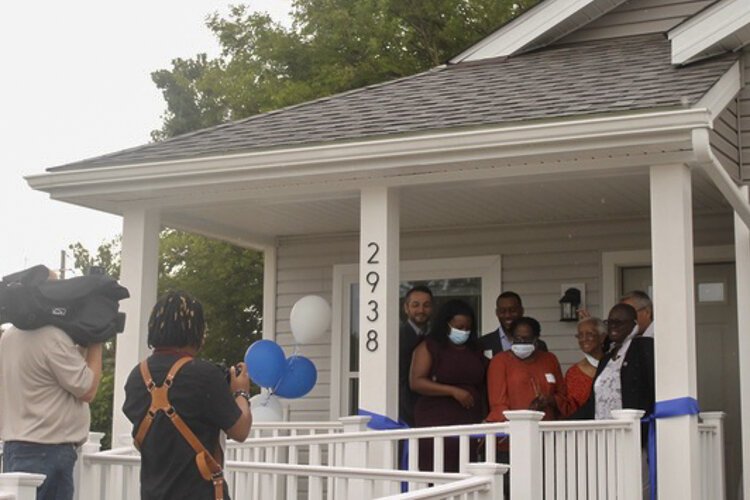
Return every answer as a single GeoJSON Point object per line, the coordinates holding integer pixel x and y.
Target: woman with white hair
{"type": "Point", "coordinates": [579, 378]}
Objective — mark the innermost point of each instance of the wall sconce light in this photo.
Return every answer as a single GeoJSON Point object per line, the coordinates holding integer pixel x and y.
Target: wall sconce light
{"type": "Point", "coordinates": [571, 301]}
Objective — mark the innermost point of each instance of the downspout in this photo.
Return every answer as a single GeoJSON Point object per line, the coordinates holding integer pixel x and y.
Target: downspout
{"type": "Point", "coordinates": [705, 158]}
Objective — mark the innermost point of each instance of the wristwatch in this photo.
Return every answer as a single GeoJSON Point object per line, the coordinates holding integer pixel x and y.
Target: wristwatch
{"type": "Point", "coordinates": [242, 393]}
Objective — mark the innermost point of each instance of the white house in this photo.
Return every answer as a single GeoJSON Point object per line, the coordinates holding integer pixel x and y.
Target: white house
{"type": "Point", "coordinates": [594, 142]}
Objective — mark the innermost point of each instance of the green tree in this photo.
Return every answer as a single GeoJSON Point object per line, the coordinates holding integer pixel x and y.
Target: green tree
{"type": "Point", "coordinates": [228, 281]}
{"type": "Point", "coordinates": [107, 256]}
{"type": "Point", "coordinates": [332, 46]}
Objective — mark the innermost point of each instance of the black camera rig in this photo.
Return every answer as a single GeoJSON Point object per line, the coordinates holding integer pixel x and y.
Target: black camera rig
{"type": "Point", "coordinates": [85, 307]}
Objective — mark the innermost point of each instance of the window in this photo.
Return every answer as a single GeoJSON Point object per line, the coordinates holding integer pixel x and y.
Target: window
{"type": "Point", "coordinates": [473, 279]}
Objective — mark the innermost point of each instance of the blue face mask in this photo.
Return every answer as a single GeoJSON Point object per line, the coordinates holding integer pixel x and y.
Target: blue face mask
{"type": "Point", "coordinates": [458, 337]}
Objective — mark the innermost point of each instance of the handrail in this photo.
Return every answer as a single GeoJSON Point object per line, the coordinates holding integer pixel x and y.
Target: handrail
{"type": "Point", "coordinates": [346, 472]}
{"type": "Point", "coordinates": [462, 487]}
{"type": "Point", "coordinates": [390, 435]}
{"type": "Point", "coordinates": [298, 425]}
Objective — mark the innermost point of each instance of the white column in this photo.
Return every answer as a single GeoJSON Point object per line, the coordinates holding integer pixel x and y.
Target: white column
{"type": "Point", "coordinates": [742, 262]}
{"type": "Point", "coordinates": [378, 300]}
{"type": "Point", "coordinates": [674, 313]}
{"type": "Point", "coordinates": [139, 269]}
{"type": "Point", "coordinates": [525, 454]}
{"type": "Point", "coordinates": [270, 260]}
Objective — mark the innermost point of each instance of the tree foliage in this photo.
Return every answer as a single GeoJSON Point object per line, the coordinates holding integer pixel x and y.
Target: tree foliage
{"type": "Point", "coordinates": [331, 46]}
{"type": "Point", "coordinates": [226, 279]}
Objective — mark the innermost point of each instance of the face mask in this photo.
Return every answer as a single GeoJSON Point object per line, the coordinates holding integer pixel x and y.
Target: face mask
{"type": "Point", "coordinates": [458, 337]}
{"type": "Point", "coordinates": [522, 351]}
{"type": "Point", "coordinates": [592, 360]}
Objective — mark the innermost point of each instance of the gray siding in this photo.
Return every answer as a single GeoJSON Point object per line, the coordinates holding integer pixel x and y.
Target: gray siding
{"type": "Point", "coordinates": [638, 17]}
{"type": "Point", "coordinates": [536, 260]}
{"type": "Point", "coordinates": [725, 139]}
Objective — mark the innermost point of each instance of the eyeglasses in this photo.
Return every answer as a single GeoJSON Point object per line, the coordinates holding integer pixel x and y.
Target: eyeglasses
{"type": "Point", "coordinates": [614, 323]}
{"type": "Point", "coordinates": [587, 336]}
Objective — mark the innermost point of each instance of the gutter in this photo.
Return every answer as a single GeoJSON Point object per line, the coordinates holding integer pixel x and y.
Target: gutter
{"type": "Point", "coordinates": [374, 157]}
{"type": "Point", "coordinates": [706, 160]}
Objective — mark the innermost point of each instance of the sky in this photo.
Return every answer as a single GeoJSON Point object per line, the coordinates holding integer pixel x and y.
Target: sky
{"type": "Point", "coordinates": [75, 83]}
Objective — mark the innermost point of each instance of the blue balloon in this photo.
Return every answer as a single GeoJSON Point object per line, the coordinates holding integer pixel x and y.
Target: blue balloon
{"type": "Point", "coordinates": [265, 362]}
{"type": "Point", "coordinates": [298, 379]}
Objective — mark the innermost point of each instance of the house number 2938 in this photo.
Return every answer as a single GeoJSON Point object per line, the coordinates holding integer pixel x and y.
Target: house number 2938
{"type": "Point", "coordinates": [372, 278]}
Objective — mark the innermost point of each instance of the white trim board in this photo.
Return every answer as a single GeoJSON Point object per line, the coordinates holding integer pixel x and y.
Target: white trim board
{"type": "Point", "coordinates": [704, 34]}
{"type": "Point", "coordinates": [723, 92]}
{"type": "Point", "coordinates": [613, 262]}
{"type": "Point", "coordinates": [104, 187]}
{"type": "Point", "coordinates": [545, 17]}
{"type": "Point", "coordinates": [488, 267]}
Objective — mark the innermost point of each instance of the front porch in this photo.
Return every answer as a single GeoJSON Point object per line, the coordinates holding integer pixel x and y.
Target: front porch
{"type": "Point", "coordinates": [344, 459]}
{"type": "Point", "coordinates": [557, 184]}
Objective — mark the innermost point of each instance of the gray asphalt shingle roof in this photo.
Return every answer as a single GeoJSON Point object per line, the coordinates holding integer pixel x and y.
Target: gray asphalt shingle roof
{"type": "Point", "coordinates": [606, 76]}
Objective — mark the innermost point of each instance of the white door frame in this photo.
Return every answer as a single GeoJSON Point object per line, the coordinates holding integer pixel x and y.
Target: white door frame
{"type": "Point", "coordinates": [613, 262]}
{"type": "Point", "coordinates": [487, 267]}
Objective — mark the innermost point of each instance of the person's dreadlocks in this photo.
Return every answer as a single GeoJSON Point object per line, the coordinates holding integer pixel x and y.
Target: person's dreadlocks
{"type": "Point", "coordinates": [176, 321]}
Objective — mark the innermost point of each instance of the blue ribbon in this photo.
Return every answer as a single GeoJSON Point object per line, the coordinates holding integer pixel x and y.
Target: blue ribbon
{"type": "Point", "coordinates": [380, 422]}
{"type": "Point", "coordinates": [678, 407]}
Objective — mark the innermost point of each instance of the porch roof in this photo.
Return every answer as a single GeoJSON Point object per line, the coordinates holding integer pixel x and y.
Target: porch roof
{"type": "Point", "coordinates": [577, 80]}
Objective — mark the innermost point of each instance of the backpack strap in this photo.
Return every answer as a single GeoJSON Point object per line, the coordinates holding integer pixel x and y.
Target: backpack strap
{"type": "Point", "coordinates": [209, 466]}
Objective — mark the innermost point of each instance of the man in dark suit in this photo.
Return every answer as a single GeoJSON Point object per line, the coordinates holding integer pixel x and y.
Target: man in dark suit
{"type": "Point", "coordinates": [508, 308]}
{"type": "Point", "coordinates": [418, 309]}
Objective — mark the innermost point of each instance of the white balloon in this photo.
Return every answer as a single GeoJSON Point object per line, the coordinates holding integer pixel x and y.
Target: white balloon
{"type": "Point", "coordinates": [266, 408]}
{"type": "Point", "coordinates": [310, 319]}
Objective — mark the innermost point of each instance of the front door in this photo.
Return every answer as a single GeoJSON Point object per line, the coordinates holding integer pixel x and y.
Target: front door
{"type": "Point", "coordinates": [716, 347]}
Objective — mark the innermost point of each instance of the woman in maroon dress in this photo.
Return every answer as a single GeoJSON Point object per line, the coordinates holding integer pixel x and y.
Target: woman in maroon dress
{"type": "Point", "coordinates": [591, 336]}
{"type": "Point", "coordinates": [448, 372]}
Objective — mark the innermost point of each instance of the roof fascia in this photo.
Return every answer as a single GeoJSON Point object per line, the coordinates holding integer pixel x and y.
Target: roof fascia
{"type": "Point", "coordinates": [719, 96]}
{"type": "Point", "coordinates": [368, 159]}
{"type": "Point", "coordinates": [523, 30]}
{"type": "Point", "coordinates": [694, 38]}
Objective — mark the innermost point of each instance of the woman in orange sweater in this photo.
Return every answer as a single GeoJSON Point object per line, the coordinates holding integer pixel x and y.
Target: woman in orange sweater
{"type": "Point", "coordinates": [526, 378]}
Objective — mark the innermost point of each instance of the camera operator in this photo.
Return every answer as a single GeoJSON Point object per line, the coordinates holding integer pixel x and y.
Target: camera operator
{"type": "Point", "coordinates": [46, 384]}
{"type": "Point", "coordinates": [178, 405]}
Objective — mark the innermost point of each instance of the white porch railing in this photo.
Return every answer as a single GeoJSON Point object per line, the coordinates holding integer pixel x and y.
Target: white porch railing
{"type": "Point", "coordinates": [711, 445]}
{"type": "Point", "coordinates": [316, 460]}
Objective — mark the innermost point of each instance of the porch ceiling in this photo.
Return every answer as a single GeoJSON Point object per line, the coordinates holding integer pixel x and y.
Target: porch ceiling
{"type": "Point", "coordinates": [456, 204]}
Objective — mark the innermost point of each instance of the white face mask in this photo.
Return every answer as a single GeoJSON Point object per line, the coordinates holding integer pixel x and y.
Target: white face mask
{"type": "Point", "coordinates": [459, 337]}
{"type": "Point", "coordinates": [522, 351]}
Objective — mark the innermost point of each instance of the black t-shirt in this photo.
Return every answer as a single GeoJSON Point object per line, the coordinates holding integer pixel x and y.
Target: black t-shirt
{"type": "Point", "coordinates": [200, 395]}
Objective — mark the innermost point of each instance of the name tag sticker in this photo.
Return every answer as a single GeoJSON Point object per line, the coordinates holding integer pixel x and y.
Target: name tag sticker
{"type": "Point", "coordinates": [550, 378]}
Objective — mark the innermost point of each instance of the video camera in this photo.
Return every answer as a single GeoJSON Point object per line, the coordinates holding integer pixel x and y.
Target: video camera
{"type": "Point", "coordinates": [85, 307]}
